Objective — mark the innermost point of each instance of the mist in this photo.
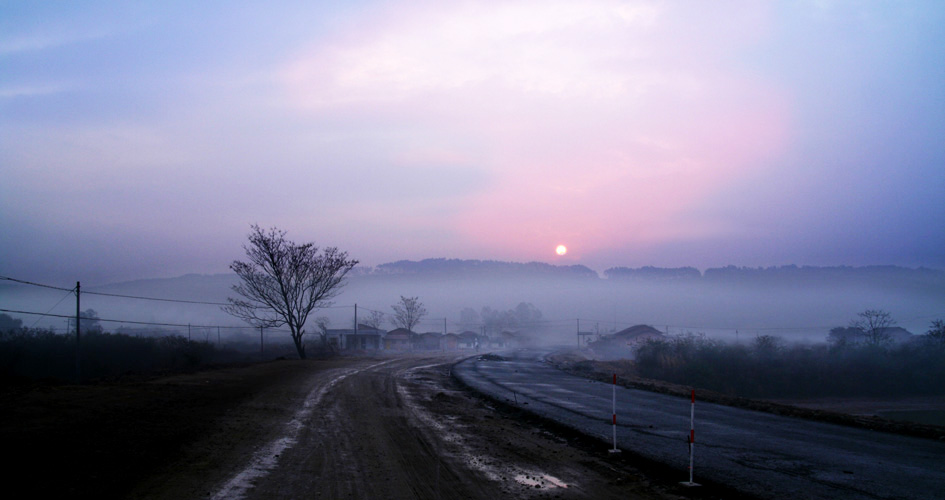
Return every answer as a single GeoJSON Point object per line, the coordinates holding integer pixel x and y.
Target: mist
{"type": "Point", "coordinates": [728, 304]}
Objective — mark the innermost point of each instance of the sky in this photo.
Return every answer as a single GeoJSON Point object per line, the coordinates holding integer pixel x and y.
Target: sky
{"type": "Point", "coordinates": [142, 139]}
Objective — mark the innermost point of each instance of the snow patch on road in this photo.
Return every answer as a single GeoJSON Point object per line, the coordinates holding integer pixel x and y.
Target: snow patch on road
{"type": "Point", "coordinates": [266, 458]}
{"type": "Point", "coordinates": [494, 469]}
{"type": "Point", "coordinates": [540, 481]}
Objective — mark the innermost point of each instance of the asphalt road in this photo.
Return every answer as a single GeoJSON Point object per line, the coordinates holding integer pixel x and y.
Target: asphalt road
{"type": "Point", "coordinates": [758, 453]}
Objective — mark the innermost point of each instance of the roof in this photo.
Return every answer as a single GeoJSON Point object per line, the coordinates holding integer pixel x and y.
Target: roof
{"type": "Point", "coordinates": [636, 331]}
{"type": "Point", "coordinates": [402, 333]}
{"type": "Point", "coordinates": [362, 330]}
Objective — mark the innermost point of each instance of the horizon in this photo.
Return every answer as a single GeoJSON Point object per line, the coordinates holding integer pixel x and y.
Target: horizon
{"type": "Point", "coordinates": [143, 140]}
{"type": "Point", "coordinates": [600, 273]}
{"type": "Point", "coordinates": [721, 306]}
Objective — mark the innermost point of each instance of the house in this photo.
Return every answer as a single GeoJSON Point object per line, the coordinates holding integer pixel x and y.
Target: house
{"type": "Point", "coordinates": [503, 340]}
{"type": "Point", "coordinates": [853, 335]}
{"type": "Point", "coordinates": [450, 342]}
{"type": "Point", "coordinates": [335, 336]}
{"type": "Point", "coordinates": [898, 335]}
{"type": "Point", "coordinates": [468, 340]}
{"type": "Point", "coordinates": [398, 340]}
{"type": "Point", "coordinates": [430, 341]}
{"type": "Point", "coordinates": [622, 343]}
{"type": "Point", "coordinates": [364, 338]}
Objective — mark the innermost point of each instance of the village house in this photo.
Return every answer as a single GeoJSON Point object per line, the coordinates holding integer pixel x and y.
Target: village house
{"type": "Point", "coordinates": [623, 343]}
{"type": "Point", "coordinates": [398, 340]}
{"type": "Point", "coordinates": [364, 338]}
{"type": "Point", "coordinates": [468, 340]}
{"type": "Point", "coordinates": [430, 341]}
{"type": "Point", "coordinates": [450, 342]}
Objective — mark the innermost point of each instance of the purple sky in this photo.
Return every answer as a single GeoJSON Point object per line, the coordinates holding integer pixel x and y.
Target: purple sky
{"type": "Point", "coordinates": [143, 140]}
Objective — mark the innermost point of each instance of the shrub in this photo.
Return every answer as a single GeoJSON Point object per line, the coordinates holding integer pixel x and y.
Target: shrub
{"type": "Point", "coordinates": [770, 369]}
{"type": "Point", "coordinates": [42, 354]}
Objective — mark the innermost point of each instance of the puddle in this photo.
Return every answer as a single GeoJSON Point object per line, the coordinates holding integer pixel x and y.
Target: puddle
{"type": "Point", "coordinates": [543, 481]}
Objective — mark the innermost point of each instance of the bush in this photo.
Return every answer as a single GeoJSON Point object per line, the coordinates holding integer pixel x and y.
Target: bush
{"type": "Point", "coordinates": [41, 354]}
{"type": "Point", "coordinates": [769, 369]}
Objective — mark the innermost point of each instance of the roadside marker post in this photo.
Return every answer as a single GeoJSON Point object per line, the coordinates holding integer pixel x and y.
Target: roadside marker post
{"type": "Point", "coordinates": [691, 437]}
{"type": "Point", "coordinates": [614, 449]}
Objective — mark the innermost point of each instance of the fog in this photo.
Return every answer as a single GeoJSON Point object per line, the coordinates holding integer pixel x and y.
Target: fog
{"type": "Point", "coordinates": [795, 304]}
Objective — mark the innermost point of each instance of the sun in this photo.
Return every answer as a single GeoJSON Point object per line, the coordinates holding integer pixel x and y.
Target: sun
{"type": "Point", "coordinates": [561, 250]}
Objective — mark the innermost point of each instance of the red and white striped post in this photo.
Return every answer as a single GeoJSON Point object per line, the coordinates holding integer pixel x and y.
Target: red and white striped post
{"type": "Point", "coordinates": [692, 436]}
{"type": "Point", "coordinates": [614, 449]}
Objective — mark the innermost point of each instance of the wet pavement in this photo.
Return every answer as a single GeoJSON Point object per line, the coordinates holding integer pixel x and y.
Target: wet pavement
{"type": "Point", "coordinates": [761, 454]}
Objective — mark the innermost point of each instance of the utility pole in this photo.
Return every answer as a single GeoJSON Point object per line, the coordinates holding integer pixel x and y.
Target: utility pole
{"type": "Point", "coordinates": [78, 352]}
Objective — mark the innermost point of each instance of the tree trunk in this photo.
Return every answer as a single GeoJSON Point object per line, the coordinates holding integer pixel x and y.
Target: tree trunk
{"type": "Point", "coordinates": [299, 346]}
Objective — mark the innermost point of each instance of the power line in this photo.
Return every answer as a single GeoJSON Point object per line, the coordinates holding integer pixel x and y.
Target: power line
{"type": "Point", "coordinates": [53, 307]}
{"type": "Point", "coordinates": [156, 299]}
{"type": "Point", "coordinates": [7, 278]}
{"type": "Point", "coordinates": [106, 320]}
{"type": "Point", "coordinates": [538, 323]}
{"type": "Point", "coordinates": [138, 297]}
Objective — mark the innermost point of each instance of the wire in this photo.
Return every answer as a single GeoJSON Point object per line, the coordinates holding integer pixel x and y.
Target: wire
{"type": "Point", "coordinates": [138, 297]}
{"type": "Point", "coordinates": [53, 307]}
{"type": "Point", "coordinates": [538, 323]}
{"type": "Point", "coordinates": [105, 320]}
{"type": "Point", "coordinates": [156, 299]}
{"type": "Point", "coordinates": [36, 284]}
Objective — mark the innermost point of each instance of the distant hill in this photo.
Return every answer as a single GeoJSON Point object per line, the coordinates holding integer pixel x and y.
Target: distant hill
{"type": "Point", "coordinates": [199, 286]}
{"type": "Point", "coordinates": [650, 272]}
{"type": "Point", "coordinates": [788, 275]}
{"type": "Point", "coordinates": [438, 267]}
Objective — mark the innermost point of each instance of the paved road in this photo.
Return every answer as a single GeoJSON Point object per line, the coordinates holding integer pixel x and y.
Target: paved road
{"type": "Point", "coordinates": [758, 453]}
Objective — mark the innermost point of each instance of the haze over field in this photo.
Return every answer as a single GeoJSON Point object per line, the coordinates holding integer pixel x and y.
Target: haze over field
{"type": "Point", "coordinates": [140, 140]}
{"type": "Point", "coordinates": [796, 304]}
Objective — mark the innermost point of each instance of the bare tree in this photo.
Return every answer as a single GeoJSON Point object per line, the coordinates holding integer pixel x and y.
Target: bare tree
{"type": "Point", "coordinates": [936, 333]}
{"type": "Point", "coordinates": [322, 324]}
{"type": "Point", "coordinates": [408, 312]}
{"type": "Point", "coordinates": [283, 282]}
{"type": "Point", "coordinates": [89, 321]}
{"type": "Point", "coordinates": [874, 325]}
{"type": "Point", "coordinates": [374, 319]}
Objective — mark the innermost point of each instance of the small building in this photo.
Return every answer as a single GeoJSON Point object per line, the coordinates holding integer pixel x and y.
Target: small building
{"type": "Point", "coordinates": [364, 338]}
{"type": "Point", "coordinates": [898, 335]}
{"type": "Point", "coordinates": [430, 341]}
{"type": "Point", "coordinates": [503, 340]}
{"type": "Point", "coordinates": [623, 343]}
{"type": "Point", "coordinates": [450, 342]}
{"type": "Point", "coordinates": [398, 340]}
{"type": "Point", "coordinates": [468, 340]}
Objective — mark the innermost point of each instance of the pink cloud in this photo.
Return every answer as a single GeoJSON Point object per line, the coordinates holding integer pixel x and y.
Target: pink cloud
{"type": "Point", "coordinates": [603, 125]}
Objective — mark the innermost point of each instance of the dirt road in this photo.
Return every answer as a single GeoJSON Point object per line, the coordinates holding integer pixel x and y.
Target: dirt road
{"type": "Point", "coordinates": [402, 429]}
{"type": "Point", "coordinates": [346, 428]}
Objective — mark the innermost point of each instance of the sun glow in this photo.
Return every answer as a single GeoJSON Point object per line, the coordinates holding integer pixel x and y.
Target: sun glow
{"type": "Point", "coordinates": [561, 250]}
